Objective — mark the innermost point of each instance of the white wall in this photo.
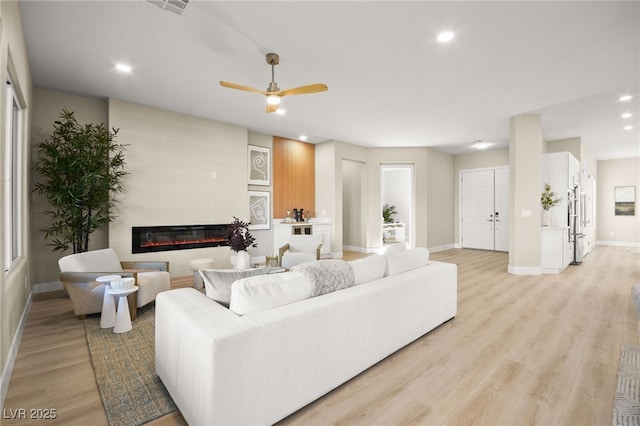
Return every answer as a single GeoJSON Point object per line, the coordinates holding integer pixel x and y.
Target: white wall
{"type": "Point", "coordinates": [441, 204]}
{"type": "Point", "coordinates": [171, 158]}
{"type": "Point", "coordinates": [525, 154]}
{"type": "Point", "coordinates": [612, 229]}
{"type": "Point", "coordinates": [15, 286]}
{"type": "Point", "coordinates": [352, 206]}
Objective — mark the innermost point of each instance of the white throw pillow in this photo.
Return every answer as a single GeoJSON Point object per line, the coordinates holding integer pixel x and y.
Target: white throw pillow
{"type": "Point", "coordinates": [256, 294]}
{"type": "Point", "coordinates": [396, 248]}
{"type": "Point", "coordinates": [217, 282]}
{"type": "Point", "coordinates": [369, 268]}
{"type": "Point", "coordinates": [406, 260]}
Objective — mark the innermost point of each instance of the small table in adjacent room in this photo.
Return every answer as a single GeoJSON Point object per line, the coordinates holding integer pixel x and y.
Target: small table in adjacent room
{"type": "Point", "coordinates": [123, 317]}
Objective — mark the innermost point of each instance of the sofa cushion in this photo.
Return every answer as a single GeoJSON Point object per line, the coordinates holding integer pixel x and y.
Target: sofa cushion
{"type": "Point", "coordinates": [258, 293]}
{"type": "Point", "coordinates": [403, 261]}
{"type": "Point", "coordinates": [369, 268]}
{"type": "Point", "coordinates": [217, 282]}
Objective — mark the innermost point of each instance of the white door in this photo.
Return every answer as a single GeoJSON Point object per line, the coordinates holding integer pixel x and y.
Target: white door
{"type": "Point", "coordinates": [485, 209]}
{"type": "Point", "coordinates": [501, 215]}
{"type": "Point", "coordinates": [477, 209]}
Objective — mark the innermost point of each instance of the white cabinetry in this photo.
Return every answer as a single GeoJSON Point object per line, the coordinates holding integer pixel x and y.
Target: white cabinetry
{"type": "Point", "coordinates": [555, 249]}
{"type": "Point", "coordinates": [393, 233]}
{"type": "Point", "coordinates": [561, 170]}
{"type": "Point", "coordinates": [302, 236]}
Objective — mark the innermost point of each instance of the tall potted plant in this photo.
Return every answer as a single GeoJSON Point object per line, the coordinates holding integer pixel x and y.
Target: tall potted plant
{"type": "Point", "coordinates": [240, 239]}
{"type": "Point", "coordinates": [79, 169]}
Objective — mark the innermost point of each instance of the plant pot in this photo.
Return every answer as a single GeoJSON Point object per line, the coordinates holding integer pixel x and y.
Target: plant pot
{"type": "Point", "coordinates": [243, 260]}
{"type": "Point", "coordinates": [546, 218]}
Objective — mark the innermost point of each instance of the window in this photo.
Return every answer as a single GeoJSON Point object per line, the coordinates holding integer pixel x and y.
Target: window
{"type": "Point", "coordinates": [12, 180]}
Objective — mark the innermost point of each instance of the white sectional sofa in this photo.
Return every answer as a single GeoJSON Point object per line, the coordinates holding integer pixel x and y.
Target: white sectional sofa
{"type": "Point", "coordinates": [224, 368]}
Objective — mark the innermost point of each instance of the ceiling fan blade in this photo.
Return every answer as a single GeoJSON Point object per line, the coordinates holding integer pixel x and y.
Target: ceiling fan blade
{"type": "Point", "coordinates": [241, 87]}
{"type": "Point", "coordinates": [272, 108]}
{"type": "Point", "coordinates": [303, 90]}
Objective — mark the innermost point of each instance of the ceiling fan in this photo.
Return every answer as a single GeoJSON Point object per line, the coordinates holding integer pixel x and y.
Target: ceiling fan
{"type": "Point", "coordinates": [273, 93]}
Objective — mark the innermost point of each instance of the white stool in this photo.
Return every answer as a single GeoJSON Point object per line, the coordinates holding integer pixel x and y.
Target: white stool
{"type": "Point", "coordinates": [123, 317]}
{"type": "Point", "coordinates": [196, 265]}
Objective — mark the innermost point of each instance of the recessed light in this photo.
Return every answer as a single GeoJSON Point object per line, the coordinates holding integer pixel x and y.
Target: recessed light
{"type": "Point", "coordinates": [446, 36]}
{"type": "Point", "coordinates": [480, 144]}
{"type": "Point", "coordinates": [280, 111]}
{"type": "Point", "coordinates": [625, 98]}
{"type": "Point", "coordinates": [626, 115]}
{"type": "Point", "coordinates": [123, 67]}
{"type": "Point", "coordinates": [628, 127]}
{"type": "Point", "coordinates": [303, 137]}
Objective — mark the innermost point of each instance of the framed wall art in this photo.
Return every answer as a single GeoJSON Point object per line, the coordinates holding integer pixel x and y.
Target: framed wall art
{"type": "Point", "coordinates": [259, 210]}
{"type": "Point", "coordinates": [625, 200]}
{"type": "Point", "coordinates": [259, 158]}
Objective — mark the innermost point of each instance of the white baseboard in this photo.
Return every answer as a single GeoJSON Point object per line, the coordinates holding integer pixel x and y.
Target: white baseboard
{"type": "Point", "coordinates": [441, 248]}
{"type": "Point", "coordinates": [13, 353]}
{"type": "Point", "coordinates": [47, 287]}
{"type": "Point", "coordinates": [618, 243]}
{"type": "Point", "coordinates": [357, 249]}
{"type": "Point", "coordinates": [524, 270]}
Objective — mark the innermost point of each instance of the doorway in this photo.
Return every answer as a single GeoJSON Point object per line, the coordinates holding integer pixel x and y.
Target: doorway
{"type": "Point", "coordinates": [397, 193]}
{"type": "Point", "coordinates": [484, 205]}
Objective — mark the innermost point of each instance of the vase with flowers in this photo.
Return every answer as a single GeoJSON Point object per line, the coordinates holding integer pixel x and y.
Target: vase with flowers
{"type": "Point", "coordinates": [240, 239]}
{"type": "Point", "coordinates": [548, 199]}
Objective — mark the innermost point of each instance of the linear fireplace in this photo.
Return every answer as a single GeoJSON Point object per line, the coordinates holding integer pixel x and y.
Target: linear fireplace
{"type": "Point", "coordinates": [145, 239]}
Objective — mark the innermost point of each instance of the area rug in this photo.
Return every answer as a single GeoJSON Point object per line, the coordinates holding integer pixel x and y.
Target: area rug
{"type": "Point", "coordinates": [124, 365]}
{"type": "Point", "coordinates": [626, 406]}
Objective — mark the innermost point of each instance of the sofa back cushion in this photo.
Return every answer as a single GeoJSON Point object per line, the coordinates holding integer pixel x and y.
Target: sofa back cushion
{"type": "Point", "coordinates": [259, 293]}
{"type": "Point", "coordinates": [104, 260]}
{"type": "Point", "coordinates": [369, 268]}
{"type": "Point", "coordinates": [217, 282]}
{"type": "Point", "coordinates": [406, 260]}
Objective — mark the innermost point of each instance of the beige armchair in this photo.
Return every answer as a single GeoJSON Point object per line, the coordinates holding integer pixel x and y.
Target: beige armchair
{"type": "Point", "coordinates": [288, 256]}
{"type": "Point", "coordinates": [78, 273]}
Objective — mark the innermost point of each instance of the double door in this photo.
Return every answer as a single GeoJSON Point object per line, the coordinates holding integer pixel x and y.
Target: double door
{"type": "Point", "coordinates": [485, 209]}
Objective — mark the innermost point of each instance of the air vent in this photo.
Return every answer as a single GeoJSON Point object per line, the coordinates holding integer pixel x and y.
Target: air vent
{"type": "Point", "coordinates": [175, 6]}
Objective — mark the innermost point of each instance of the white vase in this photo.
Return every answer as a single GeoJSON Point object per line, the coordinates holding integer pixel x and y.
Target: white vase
{"type": "Point", "coordinates": [243, 261]}
{"type": "Point", "coordinates": [546, 218]}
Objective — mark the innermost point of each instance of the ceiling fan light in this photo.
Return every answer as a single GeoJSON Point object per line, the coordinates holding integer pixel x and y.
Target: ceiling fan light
{"type": "Point", "coordinates": [273, 99]}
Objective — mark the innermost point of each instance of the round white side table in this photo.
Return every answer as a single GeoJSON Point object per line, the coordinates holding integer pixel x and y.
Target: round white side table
{"type": "Point", "coordinates": [123, 317]}
{"type": "Point", "coordinates": [108, 316]}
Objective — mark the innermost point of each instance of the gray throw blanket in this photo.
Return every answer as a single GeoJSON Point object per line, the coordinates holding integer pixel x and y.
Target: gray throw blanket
{"type": "Point", "coordinates": [326, 275]}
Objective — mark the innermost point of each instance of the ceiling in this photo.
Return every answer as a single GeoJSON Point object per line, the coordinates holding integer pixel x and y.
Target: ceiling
{"type": "Point", "coordinates": [390, 82]}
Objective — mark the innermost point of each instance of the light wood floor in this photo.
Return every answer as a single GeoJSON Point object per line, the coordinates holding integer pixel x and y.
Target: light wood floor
{"type": "Point", "coordinates": [522, 350]}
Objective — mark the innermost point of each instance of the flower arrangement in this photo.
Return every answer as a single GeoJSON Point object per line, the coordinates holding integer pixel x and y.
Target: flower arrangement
{"type": "Point", "coordinates": [548, 198]}
{"type": "Point", "coordinates": [239, 236]}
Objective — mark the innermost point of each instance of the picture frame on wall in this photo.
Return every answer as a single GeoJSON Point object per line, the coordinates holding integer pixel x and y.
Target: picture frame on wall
{"type": "Point", "coordinates": [625, 200]}
{"type": "Point", "coordinates": [259, 210]}
{"type": "Point", "coordinates": [259, 165]}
